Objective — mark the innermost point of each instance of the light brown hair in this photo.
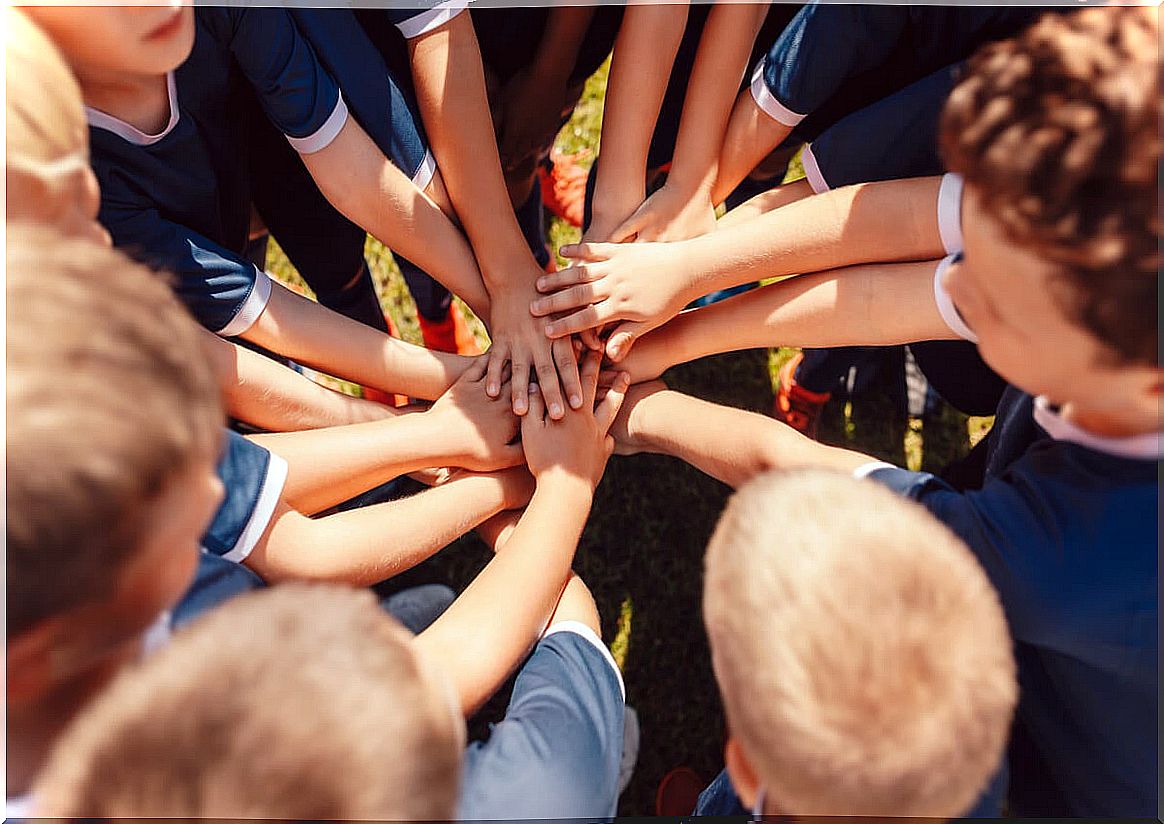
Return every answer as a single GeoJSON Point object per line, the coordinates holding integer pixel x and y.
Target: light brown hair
{"type": "Point", "coordinates": [861, 652]}
{"type": "Point", "coordinates": [1058, 131]}
{"type": "Point", "coordinates": [109, 398]}
{"type": "Point", "coordinates": [296, 702]}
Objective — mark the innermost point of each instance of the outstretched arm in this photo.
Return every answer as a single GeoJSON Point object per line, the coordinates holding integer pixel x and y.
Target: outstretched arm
{"type": "Point", "coordinates": [315, 336]}
{"type": "Point", "coordinates": [875, 305]}
{"type": "Point", "coordinates": [731, 445]}
{"type": "Point", "coordinates": [476, 643]}
{"type": "Point", "coordinates": [450, 89]}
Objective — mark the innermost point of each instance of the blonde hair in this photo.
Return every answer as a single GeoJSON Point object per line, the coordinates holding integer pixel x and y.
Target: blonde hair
{"type": "Point", "coordinates": [296, 702]}
{"type": "Point", "coordinates": [46, 139]}
{"type": "Point", "coordinates": [109, 398]}
{"type": "Point", "coordinates": [862, 654]}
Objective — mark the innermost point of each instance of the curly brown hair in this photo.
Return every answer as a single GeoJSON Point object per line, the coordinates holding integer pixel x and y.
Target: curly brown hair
{"type": "Point", "coordinates": [1058, 130]}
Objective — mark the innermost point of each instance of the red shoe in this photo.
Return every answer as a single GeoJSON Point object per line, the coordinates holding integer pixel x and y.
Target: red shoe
{"type": "Point", "coordinates": [449, 335]}
{"type": "Point", "coordinates": [798, 407]}
{"type": "Point", "coordinates": [563, 183]}
{"type": "Point", "coordinates": [678, 792]}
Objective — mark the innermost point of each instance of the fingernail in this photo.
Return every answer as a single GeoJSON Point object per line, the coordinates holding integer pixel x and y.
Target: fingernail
{"type": "Point", "coordinates": [550, 329]}
{"type": "Point", "coordinates": [492, 388]}
{"type": "Point", "coordinates": [541, 283]}
{"type": "Point", "coordinates": [556, 410]}
{"type": "Point", "coordinates": [575, 401]}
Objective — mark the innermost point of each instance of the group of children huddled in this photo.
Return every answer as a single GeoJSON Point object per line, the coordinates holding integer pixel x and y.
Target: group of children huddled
{"type": "Point", "coordinates": [193, 522]}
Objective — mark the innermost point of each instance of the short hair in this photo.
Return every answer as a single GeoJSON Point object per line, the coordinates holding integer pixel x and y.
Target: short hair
{"type": "Point", "coordinates": [1058, 131]}
{"type": "Point", "coordinates": [295, 702]}
{"type": "Point", "coordinates": [862, 654]}
{"type": "Point", "coordinates": [109, 397]}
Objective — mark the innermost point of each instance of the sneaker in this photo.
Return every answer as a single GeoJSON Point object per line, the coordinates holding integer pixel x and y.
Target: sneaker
{"type": "Point", "coordinates": [631, 737]}
{"type": "Point", "coordinates": [798, 407]}
{"type": "Point", "coordinates": [563, 183]}
{"type": "Point", "coordinates": [678, 792]}
{"type": "Point", "coordinates": [449, 335]}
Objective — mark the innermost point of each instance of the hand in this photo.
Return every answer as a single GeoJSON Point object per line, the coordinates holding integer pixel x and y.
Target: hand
{"type": "Point", "coordinates": [643, 284]}
{"type": "Point", "coordinates": [653, 355]}
{"type": "Point", "coordinates": [479, 430]}
{"type": "Point", "coordinates": [519, 339]}
{"type": "Point", "coordinates": [668, 215]}
{"type": "Point", "coordinates": [579, 444]}
{"type": "Point", "coordinates": [627, 426]}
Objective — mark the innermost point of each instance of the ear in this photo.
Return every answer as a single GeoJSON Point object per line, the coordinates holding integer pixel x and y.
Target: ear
{"type": "Point", "coordinates": [30, 661]}
{"type": "Point", "coordinates": [744, 778]}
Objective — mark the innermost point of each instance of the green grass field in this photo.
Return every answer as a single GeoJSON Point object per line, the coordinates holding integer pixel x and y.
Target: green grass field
{"type": "Point", "coordinates": [642, 550]}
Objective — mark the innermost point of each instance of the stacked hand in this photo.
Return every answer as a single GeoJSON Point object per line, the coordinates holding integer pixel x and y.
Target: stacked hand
{"type": "Point", "coordinates": [480, 430]}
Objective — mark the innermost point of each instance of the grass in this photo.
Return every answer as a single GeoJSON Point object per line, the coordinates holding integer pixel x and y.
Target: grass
{"type": "Point", "coordinates": [642, 550]}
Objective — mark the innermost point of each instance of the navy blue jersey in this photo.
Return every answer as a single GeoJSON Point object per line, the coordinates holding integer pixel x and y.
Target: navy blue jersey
{"type": "Point", "coordinates": [1065, 525]}
{"type": "Point", "coordinates": [833, 59]}
{"type": "Point", "coordinates": [253, 479]}
{"type": "Point", "coordinates": [556, 753]}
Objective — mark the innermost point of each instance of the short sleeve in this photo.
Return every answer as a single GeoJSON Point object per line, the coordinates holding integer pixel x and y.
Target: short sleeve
{"type": "Point", "coordinates": [950, 213]}
{"type": "Point", "coordinates": [556, 753]}
{"type": "Point", "coordinates": [253, 479]}
{"type": "Point", "coordinates": [945, 303]}
{"type": "Point", "coordinates": [824, 46]}
{"type": "Point", "coordinates": [294, 89]}
{"type": "Point", "coordinates": [415, 22]}
{"type": "Point", "coordinates": [225, 292]}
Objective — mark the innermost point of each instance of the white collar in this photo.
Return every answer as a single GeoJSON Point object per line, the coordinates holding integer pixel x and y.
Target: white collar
{"type": "Point", "coordinates": [1147, 447]}
{"type": "Point", "coordinates": [130, 133]}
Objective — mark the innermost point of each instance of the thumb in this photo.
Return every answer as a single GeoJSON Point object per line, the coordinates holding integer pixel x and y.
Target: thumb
{"type": "Point", "coordinates": [623, 338]}
{"type": "Point", "coordinates": [629, 227]}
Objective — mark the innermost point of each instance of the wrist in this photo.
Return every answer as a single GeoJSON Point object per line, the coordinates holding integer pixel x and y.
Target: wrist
{"type": "Point", "coordinates": [565, 485]}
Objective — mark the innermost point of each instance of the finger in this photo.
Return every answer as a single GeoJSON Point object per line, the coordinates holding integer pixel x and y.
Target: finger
{"type": "Point", "coordinates": [591, 340]}
{"type": "Point", "coordinates": [619, 344]}
{"type": "Point", "coordinates": [583, 319]}
{"type": "Point", "coordinates": [537, 406]}
{"type": "Point", "coordinates": [566, 360]}
{"type": "Point", "coordinates": [570, 276]}
{"type": "Point", "coordinates": [585, 251]}
{"type": "Point", "coordinates": [519, 387]}
{"type": "Point", "coordinates": [628, 228]}
{"type": "Point", "coordinates": [498, 357]}
{"type": "Point", "coordinates": [607, 377]}
{"type": "Point", "coordinates": [583, 294]}
{"type": "Point", "coordinates": [477, 369]}
{"type": "Point", "coordinates": [607, 410]}
{"type": "Point", "coordinates": [591, 366]}
{"type": "Point", "coordinates": [548, 383]}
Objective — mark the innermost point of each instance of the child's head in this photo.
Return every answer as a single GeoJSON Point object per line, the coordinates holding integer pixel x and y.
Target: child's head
{"type": "Point", "coordinates": [114, 425]}
{"type": "Point", "coordinates": [861, 652]}
{"type": "Point", "coordinates": [1056, 132]}
{"type": "Point", "coordinates": [46, 140]}
{"type": "Point", "coordinates": [296, 702]}
{"type": "Point", "coordinates": [115, 43]}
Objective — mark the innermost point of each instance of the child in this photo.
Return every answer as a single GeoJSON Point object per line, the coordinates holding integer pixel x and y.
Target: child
{"type": "Point", "coordinates": [165, 131]}
{"type": "Point", "coordinates": [556, 753]}
{"type": "Point", "coordinates": [861, 653]}
{"type": "Point", "coordinates": [1056, 281]}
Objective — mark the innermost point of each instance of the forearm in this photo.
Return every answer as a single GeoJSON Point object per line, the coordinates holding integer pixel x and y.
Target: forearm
{"type": "Point", "coordinates": [364, 546]}
{"type": "Point", "coordinates": [750, 137]}
{"type": "Point", "coordinates": [450, 89]}
{"type": "Point", "coordinates": [315, 336]}
{"type": "Point", "coordinates": [720, 64]}
{"type": "Point", "coordinates": [492, 625]}
{"type": "Point", "coordinates": [358, 180]}
{"type": "Point", "coordinates": [867, 223]}
{"type": "Point", "coordinates": [270, 396]}
{"type": "Point", "coordinates": [875, 305]}
{"type": "Point", "coordinates": [731, 445]}
{"type": "Point", "coordinates": [765, 202]}
{"type": "Point", "coordinates": [329, 466]}
{"type": "Point", "coordinates": [557, 52]}
{"type": "Point", "coordinates": [640, 70]}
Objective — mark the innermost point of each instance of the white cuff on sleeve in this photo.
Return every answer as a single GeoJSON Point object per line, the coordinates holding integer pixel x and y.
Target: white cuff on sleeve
{"type": "Point", "coordinates": [946, 307]}
{"type": "Point", "coordinates": [950, 213]}
{"type": "Point", "coordinates": [264, 509]}
{"type": "Point", "coordinates": [865, 470]}
{"type": "Point", "coordinates": [425, 173]}
{"type": "Point", "coordinates": [325, 134]}
{"type": "Point", "coordinates": [812, 171]}
{"type": "Point", "coordinates": [431, 19]}
{"type": "Point", "coordinates": [768, 102]}
{"type": "Point", "coordinates": [252, 307]}
{"type": "Point", "coordinates": [578, 628]}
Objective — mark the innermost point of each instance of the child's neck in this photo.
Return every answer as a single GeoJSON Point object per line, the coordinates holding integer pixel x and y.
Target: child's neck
{"type": "Point", "coordinates": [1107, 423]}
{"type": "Point", "coordinates": [142, 101]}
